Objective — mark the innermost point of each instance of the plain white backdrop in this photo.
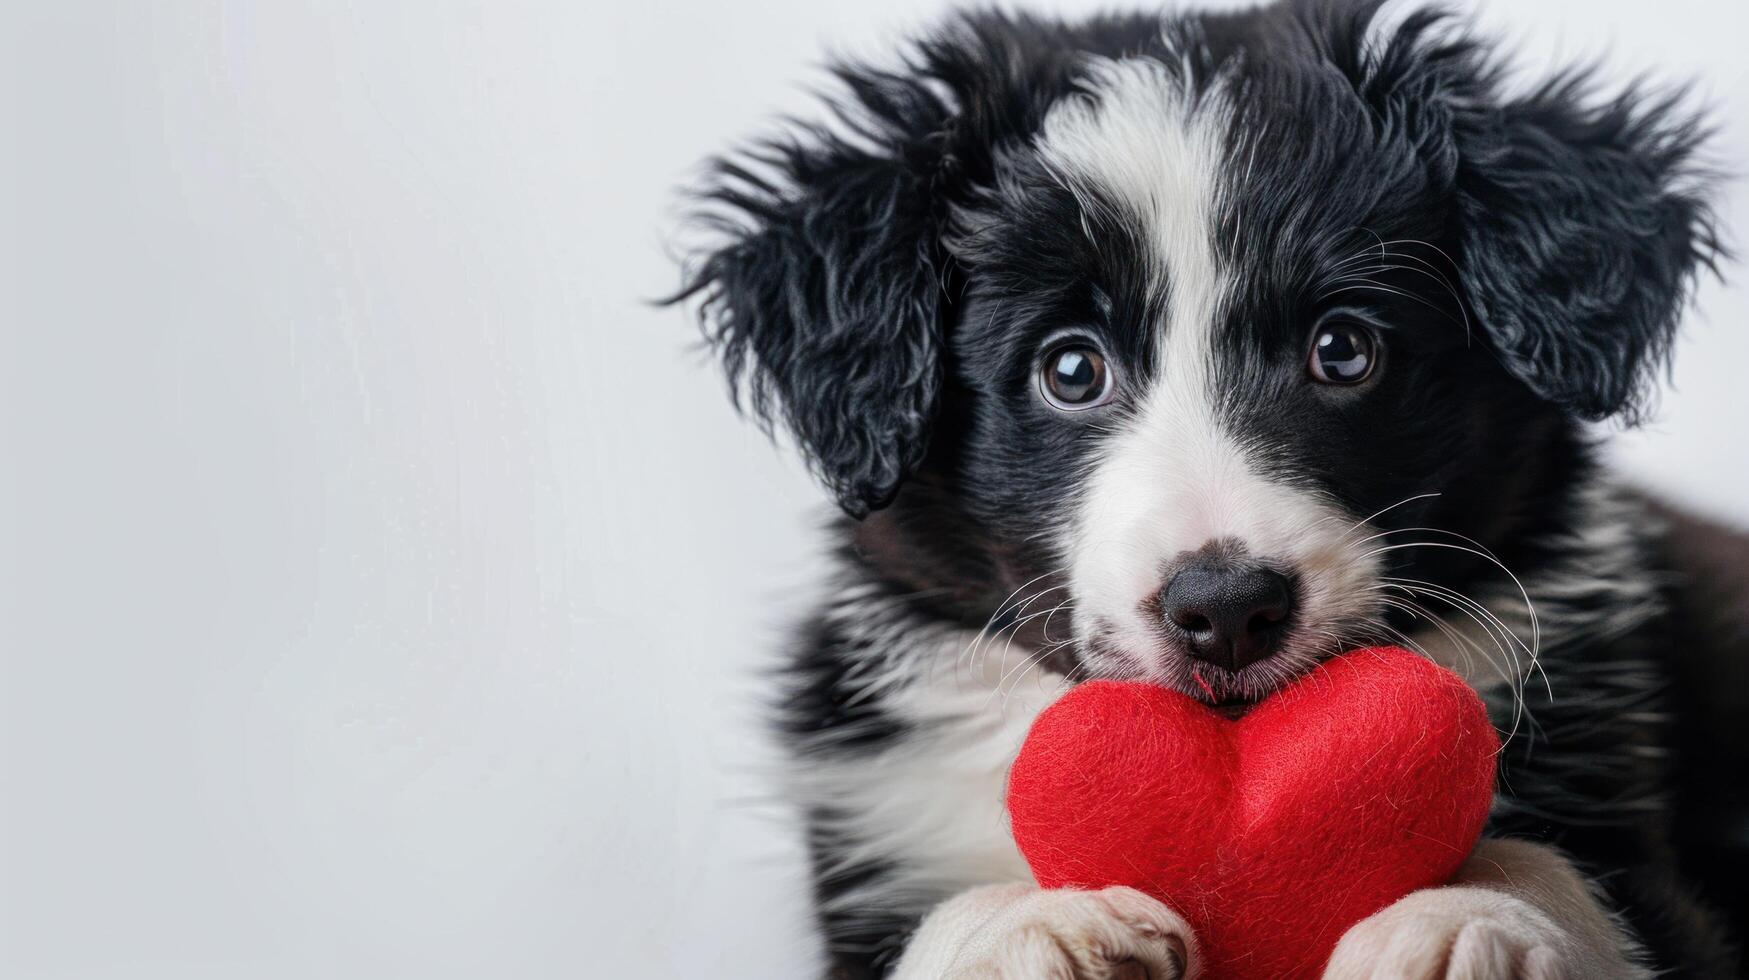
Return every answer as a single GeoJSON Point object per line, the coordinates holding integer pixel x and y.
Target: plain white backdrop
{"type": "Point", "coordinates": [383, 583]}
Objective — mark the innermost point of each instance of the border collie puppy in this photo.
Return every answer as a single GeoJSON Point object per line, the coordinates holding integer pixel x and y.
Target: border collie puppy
{"type": "Point", "coordinates": [1195, 349]}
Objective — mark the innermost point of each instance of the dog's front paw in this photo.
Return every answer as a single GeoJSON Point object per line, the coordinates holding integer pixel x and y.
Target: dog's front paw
{"type": "Point", "coordinates": [1060, 934]}
{"type": "Point", "coordinates": [1458, 933]}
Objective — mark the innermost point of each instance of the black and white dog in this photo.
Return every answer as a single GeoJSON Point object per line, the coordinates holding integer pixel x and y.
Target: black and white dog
{"type": "Point", "coordinates": [1195, 349]}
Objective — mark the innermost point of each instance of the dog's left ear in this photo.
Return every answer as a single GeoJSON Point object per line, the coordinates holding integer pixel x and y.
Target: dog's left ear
{"type": "Point", "coordinates": [1582, 227]}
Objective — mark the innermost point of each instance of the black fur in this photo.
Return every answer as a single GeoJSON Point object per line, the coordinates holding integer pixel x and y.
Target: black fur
{"type": "Point", "coordinates": [827, 300]}
{"type": "Point", "coordinates": [1581, 235]}
{"type": "Point", "coordinates": [886, 286]}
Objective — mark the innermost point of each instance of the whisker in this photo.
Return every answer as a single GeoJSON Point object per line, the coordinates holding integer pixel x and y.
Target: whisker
{"type": "Point", "coordinates": [1009, 647]}
{"type": "Point", "coordinates": [1380, 513]}
{"type": "Point", "coordinates": [1364, 283]}
{"type": "Point", "coordinates": [1480, 552]}
{"type": "Point", "coordinates": [1533, 655]}
{"type": "Point", "coordinates": [969, 656]}
{"type": "Point", "coordinates": [1381, 262]}
{"type": "Point", "coordinates": [1509, 671]}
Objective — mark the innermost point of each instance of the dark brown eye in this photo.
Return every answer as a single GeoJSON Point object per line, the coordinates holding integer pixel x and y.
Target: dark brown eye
{"type": "Point", "coordinates": [1343, 354]}
{"type": "Point", "coordinates": [1075, 378]}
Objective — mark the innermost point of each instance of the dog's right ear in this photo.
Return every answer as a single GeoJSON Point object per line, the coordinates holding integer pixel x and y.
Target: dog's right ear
{"type": "Point", "coordinates": [824, 300]}
{"type": "Point", "coordinates": [825, 294]}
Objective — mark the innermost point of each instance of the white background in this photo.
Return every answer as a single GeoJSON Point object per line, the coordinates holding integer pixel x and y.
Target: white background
{"type": "Point", "coordinates": [384, 582]}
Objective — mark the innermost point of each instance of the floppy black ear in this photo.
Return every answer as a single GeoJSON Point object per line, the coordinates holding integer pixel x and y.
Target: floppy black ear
{"type": "Point", "coordinates": [824, 299]}
{"type": "Point", "coordinates": [1582, 227]}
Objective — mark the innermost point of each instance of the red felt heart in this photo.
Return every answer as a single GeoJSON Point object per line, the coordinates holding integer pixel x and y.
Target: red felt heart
{"type": "Point", "coordinates": [1364, 780]}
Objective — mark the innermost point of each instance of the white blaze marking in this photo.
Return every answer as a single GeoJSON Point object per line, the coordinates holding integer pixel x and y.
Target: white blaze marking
{"type": "Point", "coordinates": [1172, 478]}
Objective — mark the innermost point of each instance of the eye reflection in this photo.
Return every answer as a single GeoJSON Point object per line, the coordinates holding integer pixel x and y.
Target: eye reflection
{"type": "Point", "coordinates": [1075, 377]}
{"type": "Point", "coordinates": [1342, 354]}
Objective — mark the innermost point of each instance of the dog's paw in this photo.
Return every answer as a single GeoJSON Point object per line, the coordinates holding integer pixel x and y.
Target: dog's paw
{"type": "Point", "coordinates": [1080, 935]}
{"type": "Point", "coordinates": [1457, 933]}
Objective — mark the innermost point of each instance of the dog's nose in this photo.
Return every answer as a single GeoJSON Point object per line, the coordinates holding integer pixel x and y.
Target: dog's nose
{"type": "Point", "coordinates": [1230, 614]}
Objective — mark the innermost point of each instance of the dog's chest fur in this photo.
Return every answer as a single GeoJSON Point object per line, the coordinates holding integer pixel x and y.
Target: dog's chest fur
{"type": "Point", "coordinates": [919, 816]}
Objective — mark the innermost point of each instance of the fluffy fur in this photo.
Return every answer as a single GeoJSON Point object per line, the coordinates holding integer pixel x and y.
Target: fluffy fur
{"type": "Point", "coordinates": [1196, 197]}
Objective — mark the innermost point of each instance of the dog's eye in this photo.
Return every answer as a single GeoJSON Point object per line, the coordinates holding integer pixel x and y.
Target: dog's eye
{"type": "Point", "coordinates": [1343, 354]}
{"type": "Point", "coordinates": [1075, 378]}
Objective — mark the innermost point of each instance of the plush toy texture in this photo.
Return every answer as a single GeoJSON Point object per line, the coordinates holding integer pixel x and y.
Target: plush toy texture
{"type": "Point", "coordinates": [1365, 780]}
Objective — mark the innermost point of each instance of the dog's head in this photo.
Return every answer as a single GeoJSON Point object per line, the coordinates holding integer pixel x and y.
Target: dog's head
{"type": "Point", "coordinates": [1180, 317]}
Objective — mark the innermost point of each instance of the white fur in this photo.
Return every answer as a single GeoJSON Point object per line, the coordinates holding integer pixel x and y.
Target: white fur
{"type": "Point", "coordinates": [1171, 478]}
{"type": "Point", "coordinates": [1017, 932]}
{"type": "Point", "coordinates": [1473, 933]}
{"type": "Point", "coordinates": [1137, 139]}
{"type": "Point", "coordinates": [930, 805]}
{"type": "Point", "coordinates": [1515, 911]}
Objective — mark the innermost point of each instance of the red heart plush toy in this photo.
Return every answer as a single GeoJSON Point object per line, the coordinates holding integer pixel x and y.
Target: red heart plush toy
{"type": "Point", "coordinates": [1366, 779]}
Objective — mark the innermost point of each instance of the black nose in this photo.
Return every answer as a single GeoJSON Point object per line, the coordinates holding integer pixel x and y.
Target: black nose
{"type": "Point", "coordinates": [1231, 614]}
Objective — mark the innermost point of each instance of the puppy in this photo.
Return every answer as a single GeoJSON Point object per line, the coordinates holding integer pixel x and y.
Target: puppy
{"type": "Point", "coordinates": [1195, 349]}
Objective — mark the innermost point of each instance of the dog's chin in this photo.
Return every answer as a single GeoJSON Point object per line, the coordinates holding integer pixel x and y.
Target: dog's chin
{"type": "Point", "coordinates": [1230, 694]}
{"type": "Point", "coordinates": [1234, 710]}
